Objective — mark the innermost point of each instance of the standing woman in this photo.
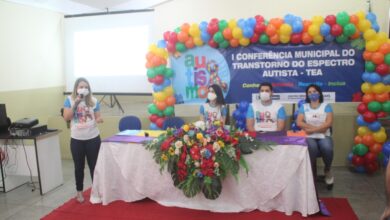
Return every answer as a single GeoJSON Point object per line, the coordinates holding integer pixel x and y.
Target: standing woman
{"type": "Point", "coordinates": [83, 110]}
{"type": "Point", "coordinates": [214, 109]}
{"type": "Point", "coordinates": [316, 118]}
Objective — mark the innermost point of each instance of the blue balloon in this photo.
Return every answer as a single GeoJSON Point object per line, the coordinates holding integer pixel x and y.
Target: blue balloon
{"type": "Point", "coordinates": [350, 155]}
{"type": "Point", "coordinates": [325, 29]}
{"type": "Point", "coordinates": [239, 124]}
{"type": "Point", "coordinates": [236, 114]}
{"type": "Point", "coordinates": [329, 38]}
{"type": "Point", "coordinates": [158, 88]}
{"type": "Point", "coordinates": [371, 17]}
{"type": "Point", "coordinates": [296, 114]}
{"type": "Point", "coordinates": [366, 76]}
{"type": "Point", "coordinates": [360, 121]}
{"type": "Point", "coordinates": [243, 106]}
{"type": "Point", "coordinates": [375, 126]}
{"type": "Point", "coordinates": [248, 32]}
{"type": "Point", "coordinates": [297, 27]}
{"type": "Point", "coordinates": [375, 78]}
{"type": "Point", "coordinates": [289, 19]}
{"type": "Point", "coordinates": [386, 148]}
{"type": "Point", "coordinates": [385, 161]}
{"type": "Point", "coordinates": [360, 169]}
{"type": "Point", "coordinates": [167, 82]}
{"type": "Point", "coordinates": [205, 36]}
{"type": "Point", "coordinates": [376, 27]}
{"type": "Point", "coordinates": [203, 26]}
{"type": "Point", "coordinates": [241, 23]}
{"type": "Point", "coordinates": [153, 126]}
{"type": "Point", "coordinates": [251, 22]}
{"type": "Point", "coordinates": [161, 44]}
{"type": "Point", "coordinates": [386, 79]}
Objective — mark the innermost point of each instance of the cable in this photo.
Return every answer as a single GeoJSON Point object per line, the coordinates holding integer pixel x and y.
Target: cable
{"type": "Point", "coordinates": [29, 168]}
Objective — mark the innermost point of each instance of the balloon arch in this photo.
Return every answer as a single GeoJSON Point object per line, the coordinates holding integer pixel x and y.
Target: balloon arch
{"type": "Point", "coordinates": [370, 146]}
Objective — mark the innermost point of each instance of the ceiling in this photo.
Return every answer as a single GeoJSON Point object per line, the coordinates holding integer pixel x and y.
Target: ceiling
{"type": "Point", "coordinates": [69, 7]}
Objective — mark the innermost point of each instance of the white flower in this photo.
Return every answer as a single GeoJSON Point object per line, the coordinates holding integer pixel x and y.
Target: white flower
{"type": "Point", "coordinates": [178, 144]}
{"type": "Point", "coordinates": [197, 164]}
{"type": "Point", "coordinates": [216, 164]}
{"type": "Point", "coordinates": [186, 138]}
{"type": "Point", "coordinates": [177, 151]}
{"type": "Point", "coordinates": [216, 147]}
{"type": "Point", "coordinates": [201, 125]}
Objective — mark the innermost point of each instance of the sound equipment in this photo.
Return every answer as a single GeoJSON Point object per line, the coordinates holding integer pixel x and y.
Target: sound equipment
{"type": "Point", "coordinates": [25, 132]}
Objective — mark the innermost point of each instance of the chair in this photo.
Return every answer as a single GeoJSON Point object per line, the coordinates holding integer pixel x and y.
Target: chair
{"type": "Point", "coordinates": [173, 122]}
{"type": "Point", "coordinates": [129, 122]}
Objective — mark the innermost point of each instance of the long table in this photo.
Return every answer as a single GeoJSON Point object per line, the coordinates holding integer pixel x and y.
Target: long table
{"type": "Point", "coordinates": [280, 180]}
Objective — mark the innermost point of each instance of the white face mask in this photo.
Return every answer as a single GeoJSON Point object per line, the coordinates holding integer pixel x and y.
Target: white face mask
{"type": "Point", "coordinates": [211, 96]}
{"type": "Point", "coordinates": [265, 96]}
{"type": "Point", "coordinates": [83, 91]}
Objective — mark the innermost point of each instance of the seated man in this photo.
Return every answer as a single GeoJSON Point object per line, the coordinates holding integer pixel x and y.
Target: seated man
{"type": "Point", "coordinates": [265, 115]}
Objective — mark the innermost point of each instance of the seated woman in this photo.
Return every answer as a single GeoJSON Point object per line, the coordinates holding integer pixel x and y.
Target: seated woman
{"type": "Point", "coordinates": [315, 118]}
{"type": "Point", "coordinates": [214, 109]}
{"type": "Point", "coordinates": [265, 115]}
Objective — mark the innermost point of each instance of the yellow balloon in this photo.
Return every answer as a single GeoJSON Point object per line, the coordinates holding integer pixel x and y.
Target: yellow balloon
{"type": "Point", "coordinates": [159, 96]}
{"type": "Point", "coordinates": [198, 41]}
{"type": "Point", "coordinates": [381, 37]}
{"type": "Point", "coordinates": [285, 29]}
{"type": "Point", "coordinates": [194, 30]}
{"type": "Point", "coordinates": [378, 88]}
{"type": "Point", "coordinates": [379, 136]}
{"type": "Point", "coordinates": [237, 33]}
{"type": "Point", "coordinates": [318, 20]}
{"type": "Point", "coordinates": [318, 39]}
{"type": "Point", "coordinates": [361, 15]}
{"type": "Point", "coordinates": [364, 25]}
{"type": "Point", "coordinates": [169, 91]}
{"type": "Point", "coordinates": [152, 47]}
{"type": "Point", "coordinates": [232, 23]}
{"type": "Point", "coordinates": [366, 87]}
{"type": "Point", "coordinates": [369, 35]}
{"type": "Point", "coordinates": [314, 30]}
{"type": "Point", "coordinates": [244, 41]}
{"type": "Point", "coordinates": [362, 130]}
{"type": "Point", "coordinates": [372, 45]}
{"type": "Point", "coordinates": [284, 38]}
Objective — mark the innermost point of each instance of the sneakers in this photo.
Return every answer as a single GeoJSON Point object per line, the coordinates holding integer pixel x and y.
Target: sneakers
{"type": "Point", "coordinates": [323, 210]}
{"type": "Point", "coordinates": [80, 197]}
{"type": "Point", "coordinates": [329, 179]}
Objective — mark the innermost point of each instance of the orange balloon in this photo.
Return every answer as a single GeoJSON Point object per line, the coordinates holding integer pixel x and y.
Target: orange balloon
{"type": "Point", "coordinates": [170, 101]}
{"type": "Point", "coordinates": [274, 39]}
{"type": "Point", "coordinates": [185, 27]}
{"type": "Point", "coordinates": [149, 56]}
{"type": "Point", "coordinates": [182, 36]}
{"type": "Point", "coordinates": [356, 34]}
{"type": "Point", "coordinates": [190, 43]}
{"type": "Point", "coordinates": [277, 22]}
{"type": "Point", "coordinates": [368, 140]}
{"type": "Point", "coordinates": [306, 38]}
{"type": "Point", "coordinates": [270, 30]}
{"type": "Point", "coordinates": [367, 98]}
{"type": "Point", "coordinates": [148, 65]}
{"type": "Point", "coordinates": [377, 57]}
{"type": "Point", "coordinates": [234, 42]}
{"type": "Point", "coordinates": [382, 97]}
{"type": "Point", "coordinates": [354, 19]}
{"type": "Point", "coordinates": [376, 148]}
{"type": "Point", "coordinates": [384, 48]}
{"type": "Point", "coordinates": [357, 139]}
{"type": "Point", "coordinates": [367, 55]}
{"type": "Point", "coordinates": [306, 25]}
{"type": "Point", "coordinates": [227, 34]}
{"type": "Point", "coordinates": [161, 105]}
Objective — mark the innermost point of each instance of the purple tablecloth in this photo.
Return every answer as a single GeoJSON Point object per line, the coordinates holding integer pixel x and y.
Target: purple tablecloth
{"type": "Point", "coordinates": [127, 139]}
{"type": "Point", "coordinates": [280, 137]}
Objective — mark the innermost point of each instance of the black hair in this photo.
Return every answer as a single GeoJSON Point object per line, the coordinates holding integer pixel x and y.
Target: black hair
{"type": "Point", "coordinates": [318, 90]}
{"type": "Point", "coordinates": [218, 92]}
{"type": "Point", "coordinates": [266, 84]}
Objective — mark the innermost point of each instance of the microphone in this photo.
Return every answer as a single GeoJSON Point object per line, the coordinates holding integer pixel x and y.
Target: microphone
{"type": "Point", "coordinates": [81, 96]}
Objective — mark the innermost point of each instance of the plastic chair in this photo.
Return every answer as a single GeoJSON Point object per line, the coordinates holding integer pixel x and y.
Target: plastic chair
{"type": "Point", "coordinates": [129, 122]}
{"type": "Point", "coordinates": [173, 122]}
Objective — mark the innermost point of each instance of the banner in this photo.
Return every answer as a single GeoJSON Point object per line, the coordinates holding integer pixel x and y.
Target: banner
{"type": "Point", "coordinates": [290, 68]}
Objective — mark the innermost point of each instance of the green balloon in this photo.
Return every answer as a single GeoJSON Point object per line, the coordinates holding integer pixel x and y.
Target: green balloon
{"type": "Point", "coordinates": [181, 47]}
{"type": "Point", "coordinates": [168, 111]}
{"type": "Point", "coordinates": [168, 72]}
{"type": "Point", "coordinates": [218, 37]}
{"type": "Point", "coordinates": [341, 39]}
{"type": "Point", "coordinates": [360, 149]}
{"type": "Point", "coordinates": [386, 106]}
{"type": "Point", "coordinates": [151, 73]}
{"type": "Point", "coordinates": [387, 59]}
{"type": "Point", "coordinates": [160, 113]}
{"type": "Point", "coordinates": [224, 44]}
{"type": "Point", "coordinates": [264, 39]}
{"type": "Point", "coordinates": [349, 29]}
{"type": "Point", "coordinates": [374, 106]}
{"type": "Point", "coordinates": [177, 30]}
{"type": "Point", "coordinates": [370, 66]}
{"type": "Point", "coordinates": [152, 109]}
{"type": "Point", "coordinates": [222, 24]}
{"type": "Point", "coordinates": [160, 69]}
{"type": "Point", "coordinates": [342, 18]}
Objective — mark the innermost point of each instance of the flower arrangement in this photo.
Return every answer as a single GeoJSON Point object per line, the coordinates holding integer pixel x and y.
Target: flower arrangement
{"type": "Point", "coordinates": [199, 158]}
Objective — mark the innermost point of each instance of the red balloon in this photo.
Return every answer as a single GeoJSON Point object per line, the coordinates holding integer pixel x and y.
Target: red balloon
{"type": "Point", "coordinates": [371, 167]}
{"type": "Point", "coordinates": [212, 28]}
{"type": "Point", "coordinates": [160, 122]}
{"type": "Point", "coordinates": [151, 80]}
{"type": "Point", "coordinates": [171, 47]}
{"type": "Point", "coordinates": [361, 108]}
{"type": "Point", "coordinates": [212, 43]}
{"type": "Point", "coordinates": [369, 116]}
{"type": "Point", "coordinates": [336, 30]}
{"type": "Point", "coordinates": [214, 21]}
{"type": "Point", "coordinates": [330, 19]}
{"type": "Point", "coordinates": [153, 118]}
{"type": "Point", "coordinates": [173, 37]}
{"type": "Point", "coordinates": [255, 38]}
{"type": "Point", "coordinates": [296, 38]}
{"type": "Point", "coordinates": [259, 18]}
{"type": "Point", "coordinates": [260, 27]}
{"type": "Point", "coordinates": [382, 69]}
{"type": "Point", "coordinates": [381, 114]}
{"type": "Point", "coordinates": [159, 79]}
{"type": "Point", "coordinates": [357, 160]}
{"type": "Point", "coordinates": [166, 35]}
{"type": "Point", "coordinates": [370, 157]}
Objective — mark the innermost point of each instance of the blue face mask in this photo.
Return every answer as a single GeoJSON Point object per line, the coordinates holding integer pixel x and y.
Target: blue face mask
{"type": "Point", "coordinates": [314, 97]}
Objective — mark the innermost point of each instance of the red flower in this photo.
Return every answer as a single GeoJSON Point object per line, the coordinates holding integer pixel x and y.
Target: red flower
{"type": "Point", "coordinates": [238, 155]}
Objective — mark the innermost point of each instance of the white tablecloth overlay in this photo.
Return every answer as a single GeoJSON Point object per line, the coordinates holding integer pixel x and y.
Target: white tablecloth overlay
{"type": "Point", "coordinates": [280, 180]}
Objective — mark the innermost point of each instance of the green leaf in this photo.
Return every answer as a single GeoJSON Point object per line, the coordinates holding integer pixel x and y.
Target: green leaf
{"type": "Point", "coordinates": [191, 186]}
{"type": "Point", "coordinates": [212, 187]}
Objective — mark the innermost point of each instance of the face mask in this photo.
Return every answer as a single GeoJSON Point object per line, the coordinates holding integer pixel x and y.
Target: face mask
{"type": "Point", "coordinates": [265, 96]}
{"type": "Point", "coordinates": [211, 96]}
{"type": "Point", "coordinates": [83, 91]}
{"type": "Point", "coordinates": [314, 97]}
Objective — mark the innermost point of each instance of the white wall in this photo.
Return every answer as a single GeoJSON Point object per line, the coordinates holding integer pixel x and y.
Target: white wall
{"type": "Point", "coordinates": [31, 48]}
{"type": "Point", "coordinates": [170, 15]}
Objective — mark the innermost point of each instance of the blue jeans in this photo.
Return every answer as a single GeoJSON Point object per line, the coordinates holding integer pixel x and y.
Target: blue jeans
{"type": "Point", "coordinates": [323, 148]}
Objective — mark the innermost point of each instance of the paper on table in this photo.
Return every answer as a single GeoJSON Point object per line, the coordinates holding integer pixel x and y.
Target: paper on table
{"type": "Point", "coordinates": [300, 133]}
{"type": "Point", "coordinates": [129, 132]}
{"type": "Point", "coordinates": [152, 133]}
